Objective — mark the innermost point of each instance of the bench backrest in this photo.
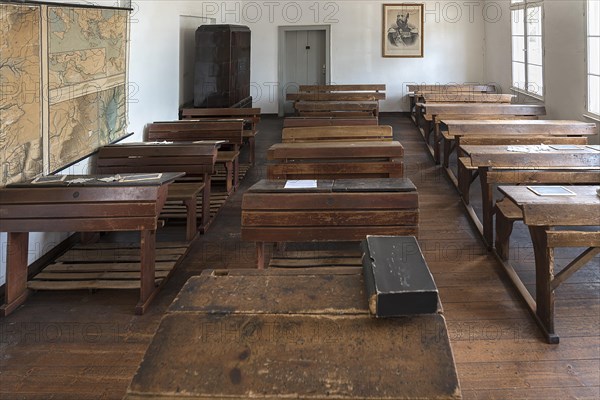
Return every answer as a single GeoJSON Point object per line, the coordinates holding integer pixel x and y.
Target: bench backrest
{"type": "Point", "coordinates": [249, 115]}
{"type": "Point", "coordinates": [483, 109]}
{"type": "Point", "coordinates": [337, 133]}
{"type": "Point", "coordinates": [295, 122]}
{"type": "Point", "coordinates": [126, 158]}
{"type": "Point", "coordinates": [520, 127]}
{"type": "Point", "coordinates": [467, 98]}
{"type": "Point", "coordinates": [335, 96]}
{"type": "Point", "coordinates": [335, 160]}
{"type": "Point", "coordinates": [336, 109]}
{"type": "Point", "coordinates": [230, 130]}
{"type": "Point", "coordinates": [452, 88]}
{"type": "Point", "coordinates": [342, 88]}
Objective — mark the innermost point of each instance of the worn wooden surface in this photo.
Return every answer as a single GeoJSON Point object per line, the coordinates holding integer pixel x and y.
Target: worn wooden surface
{"type": "Point", "coordinates": [336, 133]}
{"type": "Point", "coordinates": [294, 122]}
{"type": "Point", "coordinates": [520, 127]}
{"type": "Point", "coordinates": [271, 213]}
{"type": "Point", "coordinates": [335, 159]}
{"type": "Point", "coordinates": [497, 165]}
{"type": "Point", "coordinates": [499, 351]}
{"type": "Point", "coordinates": [337, 108]}
{"type": "Point", "coordinates": [463, 97]}
{"type": "Point", "coordinates": [302, 336]}
{"type": "Point", "coordinates": [451, 88]}
{"type": "Point", "coordinates": [378, 87]}
{"type": "Point", "coordinates": [93, 206]}
{"type": "Point", "coordinates": [251, 117]}
{"type": "Point", "coordinates": [541, 214]}
{"type": "Point", "coordinates": [482, 109]}
{"type": "Point", "coordinates": [195, 160]}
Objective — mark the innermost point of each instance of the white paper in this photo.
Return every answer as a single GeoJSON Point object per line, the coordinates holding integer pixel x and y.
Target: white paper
{"type": "Point", "coordinates": [528, 149]}
{"type": "Point", "coordinates": [551, 191]}
{"type": "Point", "coordinates": [300, 184]}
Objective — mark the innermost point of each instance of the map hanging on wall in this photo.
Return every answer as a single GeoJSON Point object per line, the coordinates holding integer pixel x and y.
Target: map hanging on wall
{"type": "Point", "coordinates": [20, 108]}
{"type": "Point", "coordinates": [83, 85]}
{"type": "Point", "coordinates": [87, 56]}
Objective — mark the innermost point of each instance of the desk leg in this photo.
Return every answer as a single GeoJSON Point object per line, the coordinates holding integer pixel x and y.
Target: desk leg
{"type": "Point", "coordinates": [252, 145]}
{"type": "Point", "coordinates": [236, 170]}
{"type": "Point", "coordinates": [147, 258]}
{"type": "Point", "coordinates": [16, 272]}
{"type": "Point", "coordinates": [205, 217]}
{"type": "Point", "coordinates": [447, 152]}
{"type": "Point", "coordinates": [260, 255]}
{"type": "Point", "coordinates": [464, 182]}
{"type": "Point", "coordinates": [437, 138]}
{"type": "Point", "coordinates": [229, 178]}
{"type": "Point", "coordinates": [487, 202]}
{"type": "Point", "coordinates": [544, 274]}
{"type": "Point", "coordinates": [192, 218]}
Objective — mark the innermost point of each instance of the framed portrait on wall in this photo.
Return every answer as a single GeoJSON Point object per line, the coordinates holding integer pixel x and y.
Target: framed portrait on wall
{"type": "Point", "coordinates": [402, 30]}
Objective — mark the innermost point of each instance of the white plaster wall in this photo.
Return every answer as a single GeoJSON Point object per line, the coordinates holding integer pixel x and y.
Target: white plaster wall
{"type": "Point", "coordinates": [453, 43]}
{"type": "Point", "coordinates": [564, 60]}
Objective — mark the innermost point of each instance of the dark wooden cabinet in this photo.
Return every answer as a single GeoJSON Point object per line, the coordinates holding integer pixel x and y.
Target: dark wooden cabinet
{"type": "Point", "coordinates": [222, 66]}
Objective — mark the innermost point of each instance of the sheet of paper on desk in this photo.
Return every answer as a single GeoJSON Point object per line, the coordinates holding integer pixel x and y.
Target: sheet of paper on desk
{"type": "Point", "coordinates": [528, 149]}
{"type": "Point", "coordinates": [551, 191]}
{"type": "Point", "coordinates": [300, 184]}
{"type": "Point", "coordinates": [140, 177]}
{"type": "Point", "coordinates": [565, 147]}
{"type": "Point", "coordinates": [49, 179]}
{"type": "Point", "coordinates": [594, 147]}
{"type": "Point", "coordinates": [163, 142]}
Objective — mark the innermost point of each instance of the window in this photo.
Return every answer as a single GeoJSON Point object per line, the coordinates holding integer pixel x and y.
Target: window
{"type": "Point", "coordinates": [593, 57]}
{"type": "Point", "coordinates": [527, 47]}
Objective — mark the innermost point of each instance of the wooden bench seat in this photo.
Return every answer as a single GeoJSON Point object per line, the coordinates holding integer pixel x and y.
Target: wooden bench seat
{"type": "Point", "coordinates": [334, 160]}
{"type": "Point", "coordinates": [251, 117]}
{"type": "Point", "coordinates": [293, 122]}
{"type": "Point", "coordinates": [197, 161]}
{"type": "Point", "coordinates": [337, 109]}
{"type": "Point", "coordinates": [228, 130]}
{"type": "Point", "coordinates": [337, 133]}
{"type": "Point", "coordinates": [467, 98]}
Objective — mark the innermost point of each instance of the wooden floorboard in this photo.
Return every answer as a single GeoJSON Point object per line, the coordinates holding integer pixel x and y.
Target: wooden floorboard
{"type": "Point", "coordinates": [87, 344]}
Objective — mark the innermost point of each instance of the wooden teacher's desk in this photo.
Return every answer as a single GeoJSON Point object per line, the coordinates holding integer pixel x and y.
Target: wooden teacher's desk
{"type": "Point", "coordinates": [302, 334]}
{"type": "Point", "coordinates": [334, 210]}
{"type": "Point", "coordinates": [89, 205]}
{"type": "Point", "coordinates": [542, 214]}
{"type": "Point", "coordinates": [521, 164]}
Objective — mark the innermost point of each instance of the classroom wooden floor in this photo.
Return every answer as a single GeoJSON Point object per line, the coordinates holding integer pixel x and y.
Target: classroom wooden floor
{"type": "Point", "coordinates": [84, 345]}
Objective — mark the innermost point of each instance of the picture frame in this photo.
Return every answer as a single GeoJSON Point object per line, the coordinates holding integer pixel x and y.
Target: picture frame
{"type": "Point", "coordinates": [402, 29]}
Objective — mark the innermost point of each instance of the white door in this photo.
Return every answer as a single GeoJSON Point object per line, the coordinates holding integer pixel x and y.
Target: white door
{"type": "Point", "coordinates": [304, 63]}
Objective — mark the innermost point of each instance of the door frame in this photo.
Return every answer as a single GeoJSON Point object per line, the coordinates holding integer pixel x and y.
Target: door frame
{"type": "Point", "coordinates": [281, 56]}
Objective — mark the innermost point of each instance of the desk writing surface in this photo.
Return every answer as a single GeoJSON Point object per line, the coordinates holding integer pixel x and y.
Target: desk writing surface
{"type": "Point", "coordinates": [480, 108]}
{"type": "Point", "coordinates": [338, 185]}
{"type": "Point", "coordinates": [531, 156]}
{"type": "Point", "coordinates": [583, 209]}
{"type": "Point", "coordinates": [94, 181]}
{"type": "Point", "coordinates": [286, 337]}
{"type": "Point", "coordinates": [336, 149]}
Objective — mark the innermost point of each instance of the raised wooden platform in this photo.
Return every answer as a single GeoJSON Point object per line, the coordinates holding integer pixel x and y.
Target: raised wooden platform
{"type": "Point", "coordinates": [106, 266]}
{"type": "Point", "coordinates": [291, 334]}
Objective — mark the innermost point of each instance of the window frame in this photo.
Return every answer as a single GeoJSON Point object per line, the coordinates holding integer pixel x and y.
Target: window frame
{"type": "Point", "coordinates": [588, 113]}
{"type": "Point", "coordinates": [524, 5]}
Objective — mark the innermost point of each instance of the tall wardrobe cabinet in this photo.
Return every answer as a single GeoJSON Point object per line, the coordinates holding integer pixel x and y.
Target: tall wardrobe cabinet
{"type": "Point", "coordinates": [222, 66]}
